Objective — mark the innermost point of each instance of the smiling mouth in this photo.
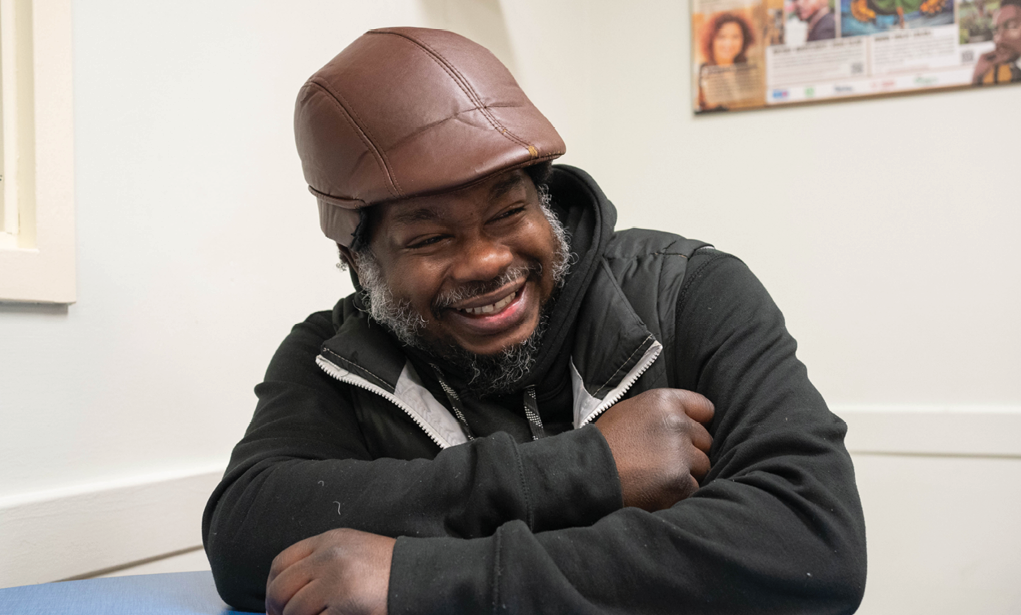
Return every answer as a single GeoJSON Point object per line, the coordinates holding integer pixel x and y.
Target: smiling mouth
{"type": "Point", "coordinates": [490, 308]}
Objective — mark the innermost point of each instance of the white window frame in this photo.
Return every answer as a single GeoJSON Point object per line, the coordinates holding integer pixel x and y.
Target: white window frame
{"type": "Point", "coordinates": [37, 251]}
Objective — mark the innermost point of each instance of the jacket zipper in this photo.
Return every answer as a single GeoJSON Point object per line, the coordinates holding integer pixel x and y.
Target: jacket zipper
{"type": "Point", "coordinates": [348, 378]}
{"type": "Point", "coordinates": [636, 372]}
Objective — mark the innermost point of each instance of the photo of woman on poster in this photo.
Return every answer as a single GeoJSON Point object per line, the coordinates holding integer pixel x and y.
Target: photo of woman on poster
{"type": "Point", "coordinates": [724, 75]}
{"type": "Point", "coordinates": [726, 39]}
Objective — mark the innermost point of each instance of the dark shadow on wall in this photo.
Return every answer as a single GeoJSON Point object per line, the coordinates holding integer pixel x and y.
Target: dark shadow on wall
{"type": "Point", "coordinates": [42, 309]}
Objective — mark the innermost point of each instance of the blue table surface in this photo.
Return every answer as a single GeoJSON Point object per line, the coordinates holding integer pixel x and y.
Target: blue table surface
{"type": "Point", "coordinates": [177, 593]}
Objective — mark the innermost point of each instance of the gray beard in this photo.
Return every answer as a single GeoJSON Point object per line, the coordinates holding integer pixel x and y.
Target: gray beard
{"type": "Point", "coordinates": [487, 374]}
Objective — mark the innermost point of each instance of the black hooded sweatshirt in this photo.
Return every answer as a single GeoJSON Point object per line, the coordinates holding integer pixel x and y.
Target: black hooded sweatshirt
{"type": "Point", "coordinates": [352, 431]}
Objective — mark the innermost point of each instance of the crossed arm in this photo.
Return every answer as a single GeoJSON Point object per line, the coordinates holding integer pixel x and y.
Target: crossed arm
{"type": "Point", "coordinates": [660, 448]}
{"type": "Point", "coordinates": [775, 527]}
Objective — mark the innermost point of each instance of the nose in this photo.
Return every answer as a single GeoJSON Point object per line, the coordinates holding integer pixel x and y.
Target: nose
{"type": "Point", "coordinates": [481, 259]}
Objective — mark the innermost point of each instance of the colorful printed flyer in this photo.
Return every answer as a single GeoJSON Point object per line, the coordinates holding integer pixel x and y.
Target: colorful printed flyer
{"type": "Point", "coordinates": [758, 53]}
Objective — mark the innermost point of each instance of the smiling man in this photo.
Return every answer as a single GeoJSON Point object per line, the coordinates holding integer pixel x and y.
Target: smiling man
{"type": "Point", "coordinates": [471, 271]}
{"type": "Point", "coordinates": [520, 409]}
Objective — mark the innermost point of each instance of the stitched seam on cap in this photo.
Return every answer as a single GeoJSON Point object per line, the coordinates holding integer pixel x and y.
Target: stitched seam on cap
{"type": "Point", "coordinates": [457, 78]}
{"type": "Point", "coordinates": [365, 127]}
{"type": "Point", "coordinates": [431, 125]}
{"type": "Point", "coordinates": [468, 90]}
{"type": "Point", "coordinates": [484, 108]}
{"type": "Point", "coordinates": [380, 158]}
{"type": "Point", "coordinates": [329, 199]}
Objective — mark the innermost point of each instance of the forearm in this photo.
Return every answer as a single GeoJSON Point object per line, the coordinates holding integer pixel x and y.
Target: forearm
{"type": "Point", "coordinates": [732, 548]}
{"type": "Point", "coordinates": [776, 528]}
{"type": "Point", "coordinates": [467, 491]}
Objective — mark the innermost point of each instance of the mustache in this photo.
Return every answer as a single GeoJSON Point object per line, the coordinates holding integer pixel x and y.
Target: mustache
{"type": "Point", "coordinates": [470, 290]}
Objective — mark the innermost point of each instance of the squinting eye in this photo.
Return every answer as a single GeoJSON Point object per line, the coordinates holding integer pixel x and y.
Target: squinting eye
{"type": "Point", "coordinates": [425, 242]}
{"type": "Point", "coordinates": [510, 213]}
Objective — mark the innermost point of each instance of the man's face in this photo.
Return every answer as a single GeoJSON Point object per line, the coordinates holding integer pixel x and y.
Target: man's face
{"type": "Point", "coordinates": [474, 265]}
{"type": "Point", "coordinates": [1008, 32]}
{"type": "Point", "coordinates": [807, 8]}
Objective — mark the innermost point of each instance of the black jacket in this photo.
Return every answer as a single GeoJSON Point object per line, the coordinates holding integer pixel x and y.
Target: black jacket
{"type": "Point", "coordinates": [502, 523]}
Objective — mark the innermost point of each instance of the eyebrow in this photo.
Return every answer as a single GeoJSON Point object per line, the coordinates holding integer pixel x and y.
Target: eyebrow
{"type": "Point", "coordinates": [425, 214]}
{"type": "Point", "coordinates": [421, 214]}
{"type": "Point", "coordinates": [505, 185]}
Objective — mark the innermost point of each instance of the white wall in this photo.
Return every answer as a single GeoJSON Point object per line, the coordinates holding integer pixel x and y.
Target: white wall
{"type": "Point", "coordinates": [198, 248]}
{"type": "Point", "coordinates": [885, 229]}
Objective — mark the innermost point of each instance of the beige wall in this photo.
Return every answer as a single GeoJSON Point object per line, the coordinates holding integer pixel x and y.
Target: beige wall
{"type": "Point", "coordinates": [885, 229]}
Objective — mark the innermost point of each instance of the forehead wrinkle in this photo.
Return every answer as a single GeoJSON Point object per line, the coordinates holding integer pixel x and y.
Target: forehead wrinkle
{"type": "Point", "coordinates": [429, 213]}
{"type": "Point", "coordinates": [416, 214]}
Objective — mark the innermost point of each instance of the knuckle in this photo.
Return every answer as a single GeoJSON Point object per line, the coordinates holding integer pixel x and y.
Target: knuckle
{"type": "Point", "coordinates": [673, 421]}
{"type": "Point", "coordinates": [661, 399]}
{"type": "Point", "coordinates": [339, 533]}
{"type": "Point", "coordinates": [695, 400]}
{"type": "Point", "coordinates": [333, 553]}
{"type": "Point", "coordinates": [686, 396]}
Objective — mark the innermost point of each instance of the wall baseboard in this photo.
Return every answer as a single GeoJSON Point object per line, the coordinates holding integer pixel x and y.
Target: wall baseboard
{"type": "Point", "coordinates": [194, 558]}
{"type": "Point", "coordinates": [981, 431]}
{"type": "Point", "coordinates": [82, 530]}
{"type": "Point", "coordinates": [182, 561]}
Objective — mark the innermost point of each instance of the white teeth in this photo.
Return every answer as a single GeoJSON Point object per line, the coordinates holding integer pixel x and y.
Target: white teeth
{"type": "Point", "coordinates": [492, 307]}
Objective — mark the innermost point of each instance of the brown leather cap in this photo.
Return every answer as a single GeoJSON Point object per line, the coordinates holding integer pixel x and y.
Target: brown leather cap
{"type": "Point", "coordinates": [405, 112]}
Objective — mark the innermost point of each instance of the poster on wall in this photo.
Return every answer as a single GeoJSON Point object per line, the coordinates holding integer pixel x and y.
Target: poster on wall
{"type": "Point", "coordinates": [758, 53]}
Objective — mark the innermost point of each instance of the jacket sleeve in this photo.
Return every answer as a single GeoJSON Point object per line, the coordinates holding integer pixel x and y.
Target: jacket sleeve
{"type": "Point", "coordinates": [777, 526]}
{"type": "Point", "coordinates": [304, 467]}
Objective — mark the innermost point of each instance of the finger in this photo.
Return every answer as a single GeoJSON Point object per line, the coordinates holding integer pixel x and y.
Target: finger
{"type": "Point", "coordinates": [311, 599]}
{"type": "Point", "coordinates": [290, 556]}
{"type": "Point", "coordinates": [694, 488]}
{"type": "Point", "coordinates": [281, 588]}
{"type": "Point", "coordinates": [697, 406]}
{"type": "Point", "coordinates": [685, 489]}
{"type": "Point", "coordinates": [698, 465]}
{"type": "Point", "coordinates": [700, 437]}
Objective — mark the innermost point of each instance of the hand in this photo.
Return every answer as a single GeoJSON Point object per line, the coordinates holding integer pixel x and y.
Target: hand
{"type": "Point", "coordinates": [337, 572]}
{"type": "Point", "coordinates": [985, 62]}
{"type": "Point", "coordinates": [659, 445]}
{"type": "Point", "coordinates": [988, 61]}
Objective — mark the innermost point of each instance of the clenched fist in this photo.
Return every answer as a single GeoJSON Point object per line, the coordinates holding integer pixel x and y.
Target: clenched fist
{"type": "Point", "coordinates": [337, 572]}
{"type": "Point", "coordinates": [660, 445]}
